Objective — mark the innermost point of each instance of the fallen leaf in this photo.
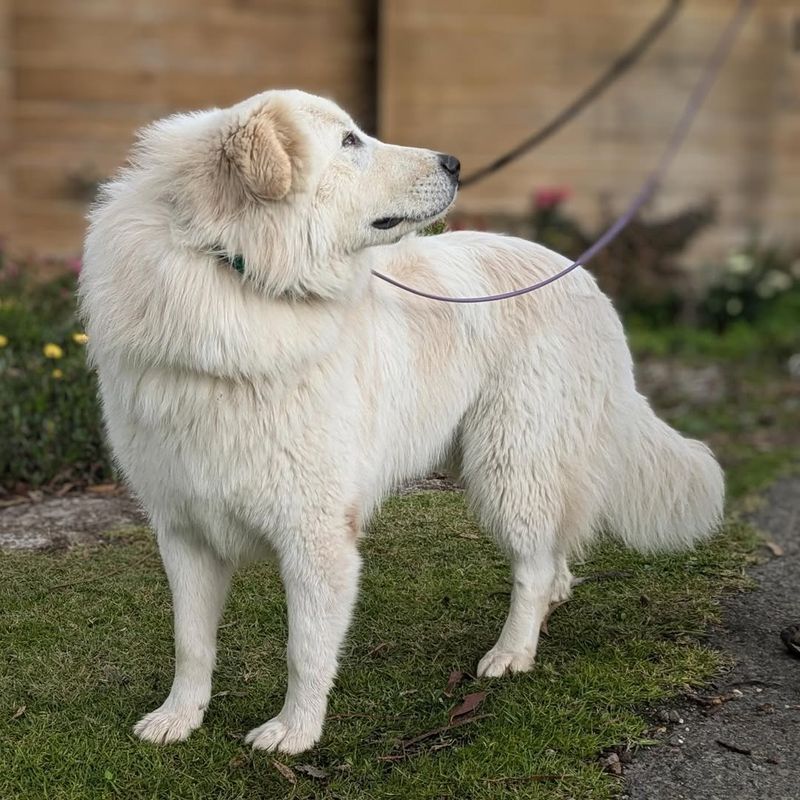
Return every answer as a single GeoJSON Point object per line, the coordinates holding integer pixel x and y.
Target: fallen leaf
{"type": "Point", "coordinates": [238, 761]}
{"type": "Point", "coordinates": [611, 763]}
{"type": "Point", "coordinates": [456, 676]}
{"type": "Point", "coordinates": [19, 712]}
{"type": "Point", "coordinates": [711, 700]}
{"type": "Point", "coordinates": [312, 771]}
{"type": "Point", "coordinates": [102, 488]}
{"type": "Point", "coordinates": [774, 548]}
{"type": "Point", "coordinates": [287, 772]}
{"type": "Point", "coordinates": [468, 705]}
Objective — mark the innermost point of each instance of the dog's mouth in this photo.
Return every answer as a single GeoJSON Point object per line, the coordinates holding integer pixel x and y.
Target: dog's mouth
{"type": "Point", "coordinates": [386, 223]}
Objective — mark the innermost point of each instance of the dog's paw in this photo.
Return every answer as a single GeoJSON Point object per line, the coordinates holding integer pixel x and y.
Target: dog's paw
{"type": "Point", "coordinates": [166, 726]}
{"type": "Point", "coordinates": [497, 663]}
{"type": "Point", "coordinates": [282, 736]}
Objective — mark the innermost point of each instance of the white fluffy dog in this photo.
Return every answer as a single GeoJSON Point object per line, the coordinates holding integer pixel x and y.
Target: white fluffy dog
{"type": "Point", "coordinates": [262, 392]}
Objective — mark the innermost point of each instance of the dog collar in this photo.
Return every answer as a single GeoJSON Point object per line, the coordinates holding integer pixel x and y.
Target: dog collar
{"type": "Point", "coordinates": [235, 262]}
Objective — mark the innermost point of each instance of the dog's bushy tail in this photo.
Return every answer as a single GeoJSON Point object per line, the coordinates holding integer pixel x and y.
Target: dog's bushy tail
{"type": "Point", "coordinates": [663, 491]}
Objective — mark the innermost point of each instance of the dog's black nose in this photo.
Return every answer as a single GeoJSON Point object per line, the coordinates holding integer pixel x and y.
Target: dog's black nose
{"type": "Point", "coordinates": [451, 164]}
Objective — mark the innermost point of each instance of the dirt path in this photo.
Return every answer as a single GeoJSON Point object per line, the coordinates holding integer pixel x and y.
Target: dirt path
{"type": "Point", "coordinates": [746, 747]}
{"type": "Point", "coordinates": [54, 523]}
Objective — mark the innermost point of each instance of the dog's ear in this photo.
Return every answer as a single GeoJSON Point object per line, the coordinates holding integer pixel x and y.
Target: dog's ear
{"type": "Point", "coordinates": [259, 154]}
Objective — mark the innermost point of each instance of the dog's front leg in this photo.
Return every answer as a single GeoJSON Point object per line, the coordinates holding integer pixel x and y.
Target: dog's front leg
{"type": "Point", "coordinates": [320, 575]}
{"type": "Point", "coordinates": [199, 581]}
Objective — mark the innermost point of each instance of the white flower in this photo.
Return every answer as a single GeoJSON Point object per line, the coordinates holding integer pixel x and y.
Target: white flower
{"type": "Point", "coordinates": [740, 263]}
{"type": "Point", "coordinates": [779, 281]}
{"type": "Point", "coordinates": [734, 306]}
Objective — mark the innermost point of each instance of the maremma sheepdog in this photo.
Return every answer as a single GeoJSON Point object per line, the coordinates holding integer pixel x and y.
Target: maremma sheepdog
{"type": "Point", "coordinates": [263, 392]}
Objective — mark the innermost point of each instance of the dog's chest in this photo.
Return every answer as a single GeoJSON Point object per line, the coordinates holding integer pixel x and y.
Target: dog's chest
{"type": "Point", "coordinates": [206, 439]}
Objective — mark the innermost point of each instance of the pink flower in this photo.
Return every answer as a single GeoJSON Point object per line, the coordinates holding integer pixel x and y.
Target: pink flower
{"type": "Point", "coordinates": [11, 270]}
{"type": "Point", "coordinates": [550, 197]}
{"type": "Point", "coordinates": [74, 265]}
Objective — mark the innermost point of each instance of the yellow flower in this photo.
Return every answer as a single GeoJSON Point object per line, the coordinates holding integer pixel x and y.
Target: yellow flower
{"type": "Point", "coordinates": [52, 350]}
{"type": "Point", "coordinates": [57, 374]}
{"type": "Point", "coordinates": [3, 341]}
{"type": "Point", "coordinates": [80, 338]}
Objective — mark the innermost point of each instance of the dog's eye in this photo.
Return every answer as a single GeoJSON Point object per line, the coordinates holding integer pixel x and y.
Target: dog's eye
{"type": "Point", "coordinates": [351, 140]}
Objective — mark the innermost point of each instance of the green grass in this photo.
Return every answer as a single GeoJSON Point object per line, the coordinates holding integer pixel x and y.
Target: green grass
{"type": "Point", "coordinates": [772, 340]}
{"type": "Point", "coordinates": [87, 659]}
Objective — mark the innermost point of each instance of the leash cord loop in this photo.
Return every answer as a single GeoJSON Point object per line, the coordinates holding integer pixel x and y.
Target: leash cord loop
{"type": "Point", "coordinates": [649, 187]}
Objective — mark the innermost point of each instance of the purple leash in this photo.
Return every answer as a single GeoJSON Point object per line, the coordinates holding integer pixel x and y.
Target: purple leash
{"type": "Point", "coordinates": [650, 186]}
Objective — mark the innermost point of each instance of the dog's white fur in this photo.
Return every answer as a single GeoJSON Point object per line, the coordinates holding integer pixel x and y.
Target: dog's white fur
{"type": "Point", "coordinates": [267, 415]}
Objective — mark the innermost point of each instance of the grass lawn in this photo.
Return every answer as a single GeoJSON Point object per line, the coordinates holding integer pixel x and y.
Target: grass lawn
{"type": "Point", "coordinates": [87, 643]}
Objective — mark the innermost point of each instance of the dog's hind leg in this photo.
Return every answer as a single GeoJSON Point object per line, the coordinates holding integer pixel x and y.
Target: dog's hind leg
{"type": "Point", "coordinates": [199, 581]}
{"type": "Point", "coordinates": [513, 475]}
{"type": "Point", "coordinates": [320, 575]}
{"type": "Point", "coordinates": [515, 649]}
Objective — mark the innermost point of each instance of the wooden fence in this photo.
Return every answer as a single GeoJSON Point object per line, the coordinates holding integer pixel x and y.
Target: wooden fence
{"type": "Point", "coordinates": [77, 77]}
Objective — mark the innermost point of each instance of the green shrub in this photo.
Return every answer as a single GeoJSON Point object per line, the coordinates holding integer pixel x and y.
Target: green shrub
{"type": "Point", "coordinates": [52, 427]}
{"type": "Point", "coordinates": [759, 284]}
{"type": "Point", "coordinates": [641, 268]}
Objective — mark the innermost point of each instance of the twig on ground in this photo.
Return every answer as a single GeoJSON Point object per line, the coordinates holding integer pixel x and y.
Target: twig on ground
{"type": "Point", "coordinates": [600, 576]}
{"type": "Point", "coordinates": [93, 578]}
{"type": "Point", "coordinates": [734, 748]}
{"type": "Point", "coordinates": [524, 778]}
{"type": "Point", "coordinates": [407, 743]}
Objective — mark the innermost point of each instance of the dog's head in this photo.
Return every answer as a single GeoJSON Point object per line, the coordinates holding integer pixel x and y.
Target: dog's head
{"type": "Point", "coordinates": [288, 182]}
